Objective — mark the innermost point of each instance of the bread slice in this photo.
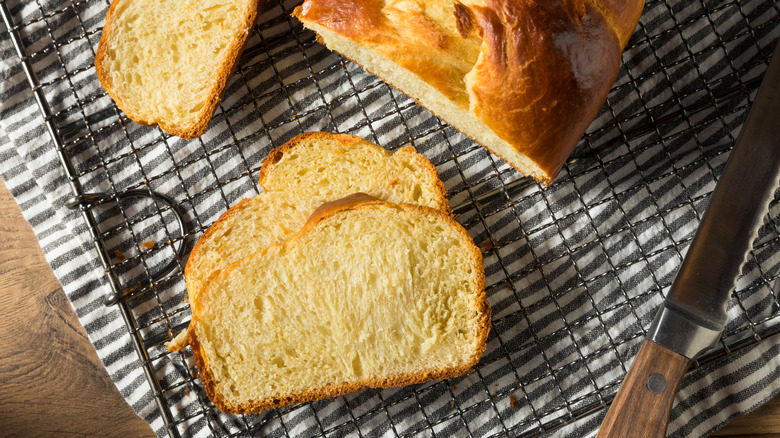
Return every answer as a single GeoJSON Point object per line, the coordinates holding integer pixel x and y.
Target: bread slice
{"type": "Point", "coordinates": [167, 62]}
{"type": "Point", "coordinates": [523, 78]}
{"type": "Point", "coordinates": [305, 172]}
{"type": "Point", "coordinates": [367, 293]}
{"type": "Point", "coordinates": [249, 226]}
{"type": "Point", "coordinates": [335, 165]}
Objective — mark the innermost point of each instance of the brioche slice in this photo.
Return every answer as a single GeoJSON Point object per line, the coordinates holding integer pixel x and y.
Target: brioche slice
{"type": "Point", "coordinates": [523, 78]}
{"type": "Point", "coordinates": [335, 165]}
{"type": "Point", "coordinates": [367, 293]}
{"type": "Point", "coordinates": [347, 164]}
{"type": "Point", "coordinates": [167, 62]}
{"type": "Point", "coordinates": [301, 175]}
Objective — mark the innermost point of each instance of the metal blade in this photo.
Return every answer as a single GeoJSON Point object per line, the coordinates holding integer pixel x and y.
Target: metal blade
{"type": "Point", "coordinates": [694, 313]}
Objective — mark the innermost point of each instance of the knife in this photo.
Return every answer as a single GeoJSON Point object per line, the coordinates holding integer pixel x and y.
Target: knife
{"type": "Point", "coordinates": [693, 315]}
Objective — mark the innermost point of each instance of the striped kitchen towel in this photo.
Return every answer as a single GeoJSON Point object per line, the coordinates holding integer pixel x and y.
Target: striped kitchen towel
{"type": "Point", "coordinates": [574, 271]}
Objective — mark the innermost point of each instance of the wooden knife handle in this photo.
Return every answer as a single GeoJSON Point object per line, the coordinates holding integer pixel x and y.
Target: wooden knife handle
{"type": "Point", "coordinates": [644, 402]}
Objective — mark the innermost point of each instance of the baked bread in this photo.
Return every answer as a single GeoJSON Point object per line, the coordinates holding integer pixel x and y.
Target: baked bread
{"type": "Point", "coordinates": [301, 175]}
{"type": "Point", "coordinates": [523, 78]}
{"type": "Point", "coordinates": [367, 293]}
{"type": "Point", "coordinates": [335, 165]}
{"type": "Point", "coordinates": [167, 63]}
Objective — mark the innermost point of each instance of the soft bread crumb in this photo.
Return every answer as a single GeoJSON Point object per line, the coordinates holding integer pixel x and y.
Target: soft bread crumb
{"type": "Point", "coordinates": [350, 164]}
{"type": "Point", "coordinates": [335, 165]}
{"type": "Point", "coordinates": [167, 62]}
{"type": "Point", "coordinates": [343, 305]}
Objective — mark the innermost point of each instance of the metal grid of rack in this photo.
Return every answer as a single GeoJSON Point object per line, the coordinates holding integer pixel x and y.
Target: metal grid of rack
{"type": "Point", "coordinates": [574, 271]}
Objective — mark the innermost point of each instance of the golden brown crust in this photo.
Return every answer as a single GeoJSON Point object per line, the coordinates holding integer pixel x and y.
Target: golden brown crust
{"type": "Point", "coordinates": [206, 377]}
{"type": "Point", "coordinates": [193, 263]}
{"type": "Point", "coordinates": [623, 15]}
{"type": "Point", "coordinates": [346, 203]}
{"type": "Point", "coordinates": [356, 19]}
{"type": "Point", "coordinates": [544, 69]}
{"type": "Point", "coordinates": [404, 33]}
{"type": "Point", "coordinates": [541, 89]}
{"type": "Point", "coordinates": [489, 148]}
{"type": "Point", "coordinates": [100, 70]}
{"type": "Point", "coordinates": [194, 260]}
{"type": "Point", "coordinates": [222, 76]}
{"type": "Point", "coordinates": [352, 202]}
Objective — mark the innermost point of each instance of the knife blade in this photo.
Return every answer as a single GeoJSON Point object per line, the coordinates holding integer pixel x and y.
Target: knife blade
{"type": "Point", "coordinates": [693, 314]}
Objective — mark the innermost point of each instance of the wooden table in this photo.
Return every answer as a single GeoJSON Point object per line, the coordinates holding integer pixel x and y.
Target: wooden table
{"type": "Point", "coordinates": [52, 382]}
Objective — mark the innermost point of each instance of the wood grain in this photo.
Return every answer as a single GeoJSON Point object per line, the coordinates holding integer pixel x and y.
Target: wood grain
{"type": "Point", "coordinates": [637, 411]}
{"type": "Point", "coordinates": [53, 383]}
{"type": "Point", "coordinates": [763, 422]}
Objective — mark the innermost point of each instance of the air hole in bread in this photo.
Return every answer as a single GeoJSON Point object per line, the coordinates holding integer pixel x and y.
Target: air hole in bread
{"type": "Point", "coordinates": [278, 361]}
{"type": "Point", "coordinates": [357, 366]}
{"type": "Point", "coordinates": [416, 193]}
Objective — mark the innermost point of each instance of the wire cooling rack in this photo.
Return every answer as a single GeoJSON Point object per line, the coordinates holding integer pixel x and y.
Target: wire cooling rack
{"type": "Point", "coordinates": [574, 271]}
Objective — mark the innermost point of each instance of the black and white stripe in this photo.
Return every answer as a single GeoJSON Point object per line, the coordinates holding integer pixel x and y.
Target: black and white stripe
{"type": "Point", "coordinates": [574, 273]}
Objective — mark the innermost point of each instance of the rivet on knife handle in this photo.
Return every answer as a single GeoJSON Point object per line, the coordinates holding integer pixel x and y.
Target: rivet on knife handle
{"type": "Point", "coordinates": [643, 405]}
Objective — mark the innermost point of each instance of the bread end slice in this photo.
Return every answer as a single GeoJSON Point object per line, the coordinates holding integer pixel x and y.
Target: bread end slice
{"type": "Point", "coordinates": [273, 329]}
{"type": "Point", "coordinates": [167, 63]}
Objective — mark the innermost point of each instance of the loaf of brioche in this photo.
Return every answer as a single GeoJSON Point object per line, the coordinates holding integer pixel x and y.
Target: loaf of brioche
{"type": "Point", "coordinates": [167, 62]}
{"type": "Point", "coordinates": [523, 78]}
{"type": "Point", "coordinates": [301, 175]}
{"type": "Point", "coordinates": [367, 293]}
